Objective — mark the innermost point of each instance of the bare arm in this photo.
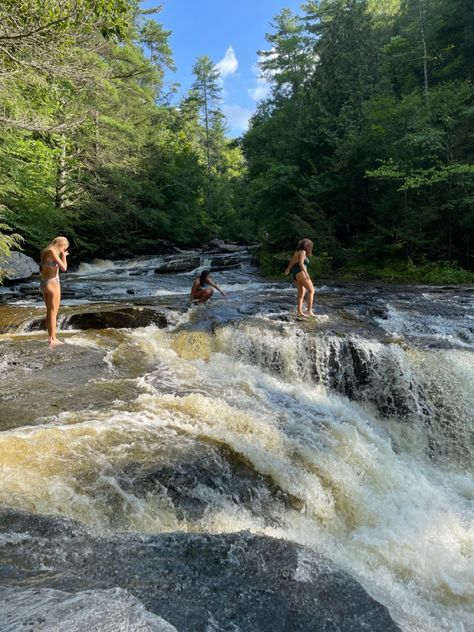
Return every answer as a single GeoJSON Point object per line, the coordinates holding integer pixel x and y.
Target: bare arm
{"type": "Point", "coordinates": [61, 259]}
{"type": "Point", "coordinates": [215, 286]}
{"type": "Point", "coordinates": [290, 265]}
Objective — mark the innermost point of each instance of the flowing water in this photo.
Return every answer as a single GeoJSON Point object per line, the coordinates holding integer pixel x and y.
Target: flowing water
{"type": "Point", "coordinates": [351, 434]}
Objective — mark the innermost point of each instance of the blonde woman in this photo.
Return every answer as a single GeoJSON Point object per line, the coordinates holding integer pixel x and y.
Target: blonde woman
{"type": "Point", "coordinates": [298, 267]}
{"type": "Point", "coordinates": [53, 259]}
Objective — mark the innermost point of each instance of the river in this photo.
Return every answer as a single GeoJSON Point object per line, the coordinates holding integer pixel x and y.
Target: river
{"type": "Point", "coordinates": [350, 434]}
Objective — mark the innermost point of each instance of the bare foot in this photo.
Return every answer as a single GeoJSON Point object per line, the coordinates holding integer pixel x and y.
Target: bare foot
{"type": "Point", "coordinates": [301, 315]}
{"type": "Point", "coordinates": [55, 342]}
{"type": "Point", "coordinates": [311, 313]}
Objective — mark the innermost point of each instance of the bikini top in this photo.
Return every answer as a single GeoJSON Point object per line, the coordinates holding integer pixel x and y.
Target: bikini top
{"type": "Point", "coordinates": [51, 264]}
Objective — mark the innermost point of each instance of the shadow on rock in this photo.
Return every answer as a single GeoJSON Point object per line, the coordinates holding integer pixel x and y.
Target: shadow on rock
{"type": "Point", "coordinates": [196, 582]}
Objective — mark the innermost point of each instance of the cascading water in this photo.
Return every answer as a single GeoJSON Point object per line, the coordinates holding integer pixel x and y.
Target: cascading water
{"type": "Point", "coordinates": [333, 436]}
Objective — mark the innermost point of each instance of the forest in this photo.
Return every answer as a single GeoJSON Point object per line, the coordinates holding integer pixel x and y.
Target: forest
{"type": "Point", "coordinates": [365, 143]}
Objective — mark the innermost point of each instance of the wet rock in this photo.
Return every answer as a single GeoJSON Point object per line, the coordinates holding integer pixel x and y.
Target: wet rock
{"type": "Point", "coordinates": [18, 266]}
{"type": "Point", "coordinates": [106, 318]}
{"type": "Point", "coordinates": [35, 382]}
{"type": "Point", "coordinates": [225, 246]}
{"type": "Point", "coordinates": [116, 318]}
{"type": "Point", "coordinates": [212, 472]}
{"type": "Point", "coordinates": [99, 610]}
{"type": "Point", "coordinates": [225, 263]}
{"type": "Point", "coordinates": [178, 265]}
{"type": "Point", "coordinates": [196, 582]}
{"type": "Point", "coordinates": [14, 318]}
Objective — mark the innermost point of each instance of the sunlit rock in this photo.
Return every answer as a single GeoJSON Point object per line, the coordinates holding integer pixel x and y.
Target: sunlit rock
{"type": "Point", "coordinates": [17, 267]}
{"type": "Point", "coordinates": [46, 610]}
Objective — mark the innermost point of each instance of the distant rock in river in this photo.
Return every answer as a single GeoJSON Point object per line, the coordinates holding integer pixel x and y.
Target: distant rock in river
{"type": "Point", "coordinates": [18, 266]}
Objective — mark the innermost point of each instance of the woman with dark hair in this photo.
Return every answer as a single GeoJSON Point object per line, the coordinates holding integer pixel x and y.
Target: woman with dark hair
{"type": "Point", "coordinates": [200, 291]}
{"type": "Point", "coordinates": [298, 267]}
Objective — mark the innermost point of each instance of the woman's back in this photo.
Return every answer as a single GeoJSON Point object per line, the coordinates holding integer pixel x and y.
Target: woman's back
{"type": "Point", "coordinates": [296, 258]}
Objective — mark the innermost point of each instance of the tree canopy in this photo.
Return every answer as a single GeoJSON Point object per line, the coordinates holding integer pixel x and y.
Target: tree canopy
{"type": "Point", "coordinates": [365, 143]}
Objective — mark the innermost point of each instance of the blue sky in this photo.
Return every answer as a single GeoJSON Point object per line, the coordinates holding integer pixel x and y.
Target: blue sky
{"type": "Point", "coordinates": [230, 32]}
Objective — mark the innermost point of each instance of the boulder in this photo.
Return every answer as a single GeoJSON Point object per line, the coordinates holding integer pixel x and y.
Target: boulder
{"type": "Point", "coordinates": [224, 246]}
{"type": "Point", "coordinates": [107, 318]}
{"type": "Point", "coordinates": [17, 267]}
{"type": "Point", "coordinates": [116, 318]}
{"type": "Point", "coordinates": [179, 265]}
{"type": "Point", "coordinates": [236, 581]}
{"type": "Point", "coordinates": [225, 263]}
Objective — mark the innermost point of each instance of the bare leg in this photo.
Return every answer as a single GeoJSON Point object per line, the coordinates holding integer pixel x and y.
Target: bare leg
{"type": "Point", "coordinates": [309, 301]}
{"type": "Point", "coordinates": [47, 301]}
{"type": "Point", "coordinates": [301, 295]}
{"type": "Point", "coordinates": [308, 288]}
{"type": "Point", "coordinates": [206, 294]}
{"type": "Point", "coordinates": [52, 296]}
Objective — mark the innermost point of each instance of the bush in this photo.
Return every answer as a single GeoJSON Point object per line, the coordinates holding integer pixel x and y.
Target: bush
{"type": "Point", "coordinates": [439, 272]}
{"type": "Point", "coordinates": [272, 264]}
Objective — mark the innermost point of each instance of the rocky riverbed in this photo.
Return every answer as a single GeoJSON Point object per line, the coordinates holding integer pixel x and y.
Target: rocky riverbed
{"type": "Point", "coordinates": [227, 467]}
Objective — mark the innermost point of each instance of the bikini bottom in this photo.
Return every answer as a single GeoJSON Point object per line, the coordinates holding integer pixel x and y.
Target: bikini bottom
{"type": "Point", "coordinates": [44, 282]}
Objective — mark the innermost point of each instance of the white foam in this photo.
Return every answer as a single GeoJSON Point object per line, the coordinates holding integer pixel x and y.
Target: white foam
{"type": "Point", "coordinates": [412, 324]}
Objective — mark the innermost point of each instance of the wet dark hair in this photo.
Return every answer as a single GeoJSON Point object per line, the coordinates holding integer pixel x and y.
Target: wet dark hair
{"type": "Point", "coordinates": [203, 276]}
{"type": "Point", "coordinates": [306, 245]}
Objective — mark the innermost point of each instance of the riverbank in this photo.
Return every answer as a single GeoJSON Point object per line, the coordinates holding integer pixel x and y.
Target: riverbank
{"type": "Point", "coordinates": [321, 267]}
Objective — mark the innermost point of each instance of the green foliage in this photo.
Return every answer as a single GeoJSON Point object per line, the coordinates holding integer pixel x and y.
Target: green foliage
{"type": "Point", "coordinates": [366, 143]}
{"type": "Point", "coordinates": [89, 147]}
{"type": "Point", "coordinates": [8, 241]}
{"type": "Point", "coordinates": [441, 272]}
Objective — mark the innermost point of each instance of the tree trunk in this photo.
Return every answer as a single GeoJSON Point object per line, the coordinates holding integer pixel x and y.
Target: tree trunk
{"type": "Point", "coordinates": [425, 49]}
{"type": "Point", "coordinates": [61, 174]}
{"type": "Point", "coordinates": [208, 152]}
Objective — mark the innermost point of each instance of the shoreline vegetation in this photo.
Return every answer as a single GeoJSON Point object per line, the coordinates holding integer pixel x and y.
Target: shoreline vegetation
{"type": "Point", "coordinates": [372, 160]}
{"type": "Point", "coordinates": [271, 265]}
{"type": "Point", "coordinates": [435, 272]}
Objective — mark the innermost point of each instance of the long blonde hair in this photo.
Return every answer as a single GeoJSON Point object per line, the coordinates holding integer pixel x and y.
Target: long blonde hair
{"type": "Point", "coordinates": [56, 244]}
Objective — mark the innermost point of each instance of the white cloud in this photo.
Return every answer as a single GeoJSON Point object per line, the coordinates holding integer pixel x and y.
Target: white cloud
{"type": "Point", "coordinates": [237, 116]}
{"type": "Point", "coordinates": [261, 90]}
{"type": "Point", "coordinates": [262, 79]}
{"type": "Point", "coordinates": [228, 64]}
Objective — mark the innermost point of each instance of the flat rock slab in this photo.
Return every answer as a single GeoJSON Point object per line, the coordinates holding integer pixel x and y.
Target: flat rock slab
{"type": "Point", "coordinates": [195, 582]}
